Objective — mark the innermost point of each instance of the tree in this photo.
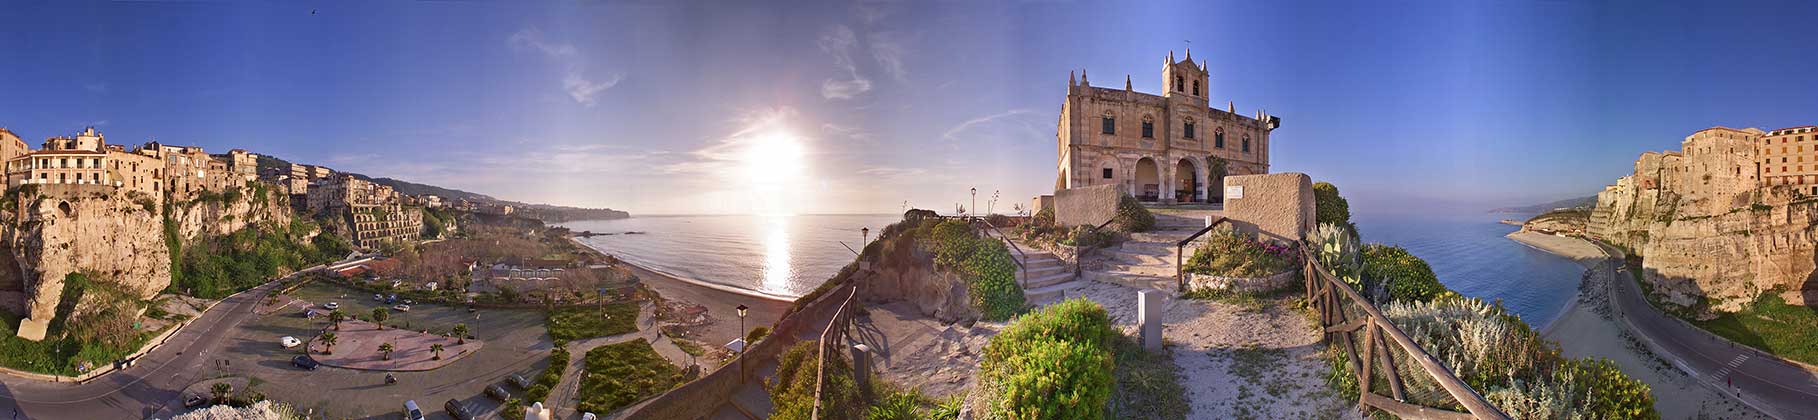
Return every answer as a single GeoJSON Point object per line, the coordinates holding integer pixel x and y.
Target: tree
{"type": "Point", "coordinates": [328, 343]}
{"type": "Point", "coordinates": [336, 316]}
{"type": "Point", "coordinates": [379, 315]}
{"type": "Point", "coordinates": [385, 349]}
{"type": "Point", "coordinates": [1330, 207]}
{"type": "Point", "coordinates": [437, 349]}
{"type": "Point", "coordinates": [460, 332]}
{"type": "Point", "coordinates": [221, 389]}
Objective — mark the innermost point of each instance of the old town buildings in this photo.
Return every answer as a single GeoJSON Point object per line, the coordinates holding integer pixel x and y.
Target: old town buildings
{"type": "Point", "coordinates": [375, 214]}
{"type": "Point", "coordinates": [1167, 147]}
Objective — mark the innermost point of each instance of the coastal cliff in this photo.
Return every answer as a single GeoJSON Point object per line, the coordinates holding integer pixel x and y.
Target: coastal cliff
{"type": "Point", "coordinates": [1709, 238]}
{"type": "Point", "coordinates": [52, 231]}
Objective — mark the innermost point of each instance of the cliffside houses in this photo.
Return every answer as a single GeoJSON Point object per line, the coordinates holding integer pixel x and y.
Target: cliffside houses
{"type": "Point", "coordinates": [375, 214]}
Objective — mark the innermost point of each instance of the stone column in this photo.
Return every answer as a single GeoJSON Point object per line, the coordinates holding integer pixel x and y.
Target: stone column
{"type": "Point", "coordinates": [861, 366]}
{"type": "Point", "coordinates": [1149, 319]}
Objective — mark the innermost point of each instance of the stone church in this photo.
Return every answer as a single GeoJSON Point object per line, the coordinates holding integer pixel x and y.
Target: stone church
{"type": "Point", "coordinates": [1170, 148]}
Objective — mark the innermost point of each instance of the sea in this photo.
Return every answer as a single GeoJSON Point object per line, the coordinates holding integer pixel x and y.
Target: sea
{"type": "Point", "coordinates": [1471, 255]}
{"type": "Point", "coordinates": [780, 256]}
{"type": "Point", "coordinates": [787, 256]}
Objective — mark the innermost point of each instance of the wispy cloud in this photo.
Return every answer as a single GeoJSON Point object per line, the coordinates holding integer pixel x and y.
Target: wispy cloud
{"type": "Point", "coordinates": [839, 41]}
{"type": "Point", "coordinates": [1006, 117]}
{"type": "Point", "coordinates": [575, 81]}
{"type": "Point", "coordinates": [888, 48]}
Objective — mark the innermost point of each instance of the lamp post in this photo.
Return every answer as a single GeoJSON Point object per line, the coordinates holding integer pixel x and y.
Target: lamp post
{"type": "Point", "coordinates": [742, 308]}
{"type": "Point", "coordinates": [974, 199]}
{"type": "Point", "coordinates": [865, 238]}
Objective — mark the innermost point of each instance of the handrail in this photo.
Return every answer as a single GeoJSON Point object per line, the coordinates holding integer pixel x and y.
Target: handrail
{"type": "Point", "coordinates": [1019, 250]}
{"type": "Point", "coordinates": [1180, 276]}
{"type": "Point", "coordinates": [838, 325]}
{"type": "Point", "coordinates": [1324, 292]}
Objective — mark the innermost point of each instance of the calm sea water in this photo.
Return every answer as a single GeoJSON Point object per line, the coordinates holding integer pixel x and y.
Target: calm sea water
{"type": "Point", "coordinates": [784, 256]}
{"type": "Point", "coordinates": [1471, 255]}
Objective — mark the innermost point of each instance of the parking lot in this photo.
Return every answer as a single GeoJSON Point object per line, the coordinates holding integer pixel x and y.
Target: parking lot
{"type": "Point", "coordinates": [516, 343]}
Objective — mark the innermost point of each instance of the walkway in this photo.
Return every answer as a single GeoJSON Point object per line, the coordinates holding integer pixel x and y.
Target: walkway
{"type": "Point", "coordinates": [564, 399]}
{"type": "Point", "coordinates": [1774, 386]}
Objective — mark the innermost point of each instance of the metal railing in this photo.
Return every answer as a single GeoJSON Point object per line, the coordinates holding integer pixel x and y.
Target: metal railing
{"type": "Point", "coordinates": [1329, 296]}
{"type": "Point", "coordinates": [836, 331]}
{"type": "Point", "coordinates": [1180, 275]}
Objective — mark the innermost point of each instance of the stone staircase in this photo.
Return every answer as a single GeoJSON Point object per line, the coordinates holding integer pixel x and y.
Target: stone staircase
{"type": "Point", "coordinates": [1147, 259]}
{"type": "Point", "coordinates": [1047, 277]}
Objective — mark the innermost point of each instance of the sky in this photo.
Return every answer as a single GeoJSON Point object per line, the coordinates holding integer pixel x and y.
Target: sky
{"type": "Point", "coordinates": [837, 107]}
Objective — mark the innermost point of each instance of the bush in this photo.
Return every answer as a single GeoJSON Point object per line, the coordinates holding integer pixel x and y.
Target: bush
{"type": "Point", "coordinates": [1052, 363]}
{"type": "Point", "coordinates": [1329, 207]}
{"type": "Point", "coordinates": [757, 334]}
{"type": "Point", "coordinates": [986, 263]}
{"type": "Point", "coordinates": [792, 390]}
{"type": "Point", "coordinates": [1403, 276]}
{"type": "Point", "coordinates": [1229, 253]}
{"type": "Point", "coordinates": [1132, 216]}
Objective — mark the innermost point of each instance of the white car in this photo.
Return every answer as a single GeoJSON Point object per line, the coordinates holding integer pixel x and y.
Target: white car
{"type": "Point", "coordinates": [411, 412]}
{"type": "Point", "coordinates": [289, 341]}
{"type": "Point", "coordinates": [401, 308]}
{"type": "Point", "coordinates": [331, 306]}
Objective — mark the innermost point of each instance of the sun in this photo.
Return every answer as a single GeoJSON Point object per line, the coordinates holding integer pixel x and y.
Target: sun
{"type": "Point", "coordinates": [775, 164]}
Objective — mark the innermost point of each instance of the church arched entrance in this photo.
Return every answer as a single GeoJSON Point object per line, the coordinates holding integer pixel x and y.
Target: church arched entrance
{"type": "Point", "coordinates": [1148, 180]}
{"type": "Point", "coordinates": [1186, 182]}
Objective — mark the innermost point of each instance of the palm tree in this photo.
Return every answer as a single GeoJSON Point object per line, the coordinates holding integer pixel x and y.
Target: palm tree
{"type": "Point", "coordinates": [379, 315]}
{"type": "Point", "coordinates": [437, 349]}
{"type": "Point", "coordinates": [385, 349]}
{"type": "Point", "coordinates": [460, 332]}
{"type": "Point", "coordinates": [336, 317]}
{"type": "Point", "coordinates": [221, 389]}
{"type": "Point", "coordinates": [328, 343]}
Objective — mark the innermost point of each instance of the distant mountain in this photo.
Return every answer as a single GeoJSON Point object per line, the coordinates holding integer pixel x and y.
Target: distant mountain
{"type": "Point", "coordinates": [545, 212]}
{"type": "Point", "coordinates": [1570, 203]}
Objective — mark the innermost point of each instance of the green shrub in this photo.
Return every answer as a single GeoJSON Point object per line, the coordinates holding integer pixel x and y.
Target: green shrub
{"type": "Point", "coordinates": [1403, 276]}
{"type": "Point", "coordinates": [986, 263]}
{"type": "Point", "coordinates": [757, 334]}
{"type": "Point", "coordinates": [1132, 216]}
{"type": "Point", "coordinates": [792, 390]}
{"type": "Point", "coordinates": [1329, 207]}
{"type": "Point", "coordinates": [896, 406]}
{"type": "Point", "coordinates": [1052, 363]}
{"type": "Point", "coordinates": [620, 374]}
{"type": "Point", "coordinates": [1229, 253]}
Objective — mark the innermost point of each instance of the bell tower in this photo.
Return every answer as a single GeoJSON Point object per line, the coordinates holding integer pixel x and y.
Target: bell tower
{"type": "Point", "coordinates": [1184, 77]}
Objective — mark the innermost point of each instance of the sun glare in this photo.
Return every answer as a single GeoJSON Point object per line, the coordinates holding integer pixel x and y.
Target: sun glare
{"type": "Point", "coordinates": [774, 168]}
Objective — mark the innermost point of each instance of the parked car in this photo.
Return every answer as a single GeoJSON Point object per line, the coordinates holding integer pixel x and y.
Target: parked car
{"type": "Point", "coordinates": [411, 412]}
{"type": "Point", "coordinates": [498, 393]}
{"type": "Point", "coordinates": [589, 416]}
{"type": "Point", "coordinates": [458, 410]}
{"type": "Point", "coordinates": [331, 306]}
{"type": "Point", "coordinates": [194, 400]}
{"type": "Point", "coordinates": [304, 362]}
{"type": "Point", "coordinates": [520, 381]}
{"type": "Point", "coordinates": [289, 341]}
{"type": "Point", "coordinates": [409, 302]}
{"type": "Point", "coordinates": [377, 297]}
{"type": "Point", "coordinates": [391, 299]}
{"type": "Point", "coordinates": [401, 308]}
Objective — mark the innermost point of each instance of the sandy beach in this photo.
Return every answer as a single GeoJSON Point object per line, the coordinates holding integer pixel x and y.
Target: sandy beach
{"type": "Point", "coordinates": [1585, 329]}
{"type": "Point", "coordinates": [722, 305]}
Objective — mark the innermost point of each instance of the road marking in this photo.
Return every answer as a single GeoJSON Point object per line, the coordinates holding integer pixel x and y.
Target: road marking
{"type": "Point", "coordinates": [1739, 359]}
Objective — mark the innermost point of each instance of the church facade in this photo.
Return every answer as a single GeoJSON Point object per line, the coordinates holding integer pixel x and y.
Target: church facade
{"type": "Point", "coordinates": [1170, 148]}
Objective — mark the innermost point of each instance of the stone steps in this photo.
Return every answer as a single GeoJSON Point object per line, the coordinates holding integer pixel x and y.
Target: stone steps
{"type": "Point", "coordinates": [1046, 295]}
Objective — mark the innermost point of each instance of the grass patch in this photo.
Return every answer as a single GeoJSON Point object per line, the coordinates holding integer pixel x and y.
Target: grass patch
{"type": "Point", "coordinates": [59, 356]}
{"type": "Point", "coordinates": [1772, 325]}
{"type": "Point", "coordinates": [578, 322]}
{"type": "Point", "coordinates": [1146, 385]}
{"type": "Point", "coordinates": [621, 374]}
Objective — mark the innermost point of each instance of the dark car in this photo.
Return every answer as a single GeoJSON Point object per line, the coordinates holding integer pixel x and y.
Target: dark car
{"type": "Point", "coordinates": [458, 410]}
{"type": "Point", "coordinates": [304, 362]}
{"type": "Point", "coordinates": [520, 381]}
{"type": "Point", "coordinates": [193, 400]}
{"type": "Point", "coordinates": [498, 393]}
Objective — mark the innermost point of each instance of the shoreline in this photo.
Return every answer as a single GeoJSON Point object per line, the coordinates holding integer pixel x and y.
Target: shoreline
{"type": "Point", "coordinates": [721, 303]}
{"type": "Point", "coordinates": [701, 283]}
{"type": "Point", "coordinates": [1564, 248]}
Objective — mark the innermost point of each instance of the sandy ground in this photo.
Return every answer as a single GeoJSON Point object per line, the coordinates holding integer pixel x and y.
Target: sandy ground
{"type": "Point", "coordinates": [919, 352]}
{"type": "Point", "coordinates": [721, 305]}
{"type": "Point", "coordinates": [1586, 329]}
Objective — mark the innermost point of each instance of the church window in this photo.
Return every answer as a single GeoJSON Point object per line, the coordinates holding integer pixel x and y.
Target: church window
{"type": "Point", "coordinates": [1148, 129]}
{"type": "Point", "coordinates": [1178, 86]}
{"type": "Point", "coordinates": [1189, 129]}
{"type": "Point", "coordinates": [1218, 137]}
{"type": "Point", "coordinates": [1109, 125]}
{"type": "Point", "coordinates": [1246, 144]}
{"type": "Point", "coordinates": [1107, 173]}
{"type": "Point", "coordinates": [1196, 88]}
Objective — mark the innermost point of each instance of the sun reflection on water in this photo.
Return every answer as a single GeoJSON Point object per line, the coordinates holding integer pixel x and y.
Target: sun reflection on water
{"type": "Point", "coordinates": [777, 271]}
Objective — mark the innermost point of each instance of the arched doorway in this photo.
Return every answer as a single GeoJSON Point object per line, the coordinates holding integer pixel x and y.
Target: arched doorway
{"type": "Point", "coordinates": [1186, 182]}
{"type": "Point", "coordinates": [1216, 169]}
{"type": "Point", "coordinates": [1148, 180]}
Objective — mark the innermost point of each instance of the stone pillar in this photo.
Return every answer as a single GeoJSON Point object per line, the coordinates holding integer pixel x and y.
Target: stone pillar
{"type": "Point", "coordinates": [1149, 318]}
{"type": "Point", "coordinates": [861, 366]}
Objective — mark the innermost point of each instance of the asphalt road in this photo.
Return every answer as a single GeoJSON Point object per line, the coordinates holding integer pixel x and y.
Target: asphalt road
{"type": "Point", "coordinates": [1766, 382]}
{"type": "Point", "coordinates": [139, 391]}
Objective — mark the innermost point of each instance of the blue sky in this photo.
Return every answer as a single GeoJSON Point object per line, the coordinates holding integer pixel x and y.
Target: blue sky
{"type": "Point", "coordinates": [662, 107]}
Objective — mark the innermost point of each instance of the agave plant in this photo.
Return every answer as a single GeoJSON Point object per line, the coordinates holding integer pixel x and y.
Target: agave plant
{"type": "Point", "coordinates": [1338, 251]}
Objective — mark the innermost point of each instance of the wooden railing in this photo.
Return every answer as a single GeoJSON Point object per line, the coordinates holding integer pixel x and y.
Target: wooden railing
{"type": "Point", "coordinates": [1331, 298]}
{"type": "Point", "coordinates": [1180, 248]}
{"type": "Point", "coordinates": [832, 340]}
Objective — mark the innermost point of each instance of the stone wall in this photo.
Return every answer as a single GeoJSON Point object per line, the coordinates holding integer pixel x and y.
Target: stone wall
{"type": "Point", "coordinates": [1275, 206]}
{"type": "Point", "coordinates": [1089, 206]}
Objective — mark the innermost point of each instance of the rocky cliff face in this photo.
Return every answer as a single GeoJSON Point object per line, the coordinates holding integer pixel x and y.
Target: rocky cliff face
{"type": "Point", "coordinates": [53, 231]}
{"type": "Point", "coordinates": [1710, 248]}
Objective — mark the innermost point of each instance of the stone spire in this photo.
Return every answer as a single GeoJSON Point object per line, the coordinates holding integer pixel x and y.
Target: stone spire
{"type": "Point", "coordinates": [1083, 81]}
{"type": "Point", "coordinates": [1189, 54]}
{"type": "Point", "coordinates": [1127, 82]}
{"type": "Point", "coordinates": [1071, 81]}
{"type": "Point", "coordinates": [1170, 57]}
{"type": "Point", "coordinates": [1231, 107]}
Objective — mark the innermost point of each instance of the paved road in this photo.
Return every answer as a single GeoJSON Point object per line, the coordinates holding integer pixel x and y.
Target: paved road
{"type": "Point", "coordinates": [1774, 386]}
{"type": "Point", "coordinates": [139, 391]}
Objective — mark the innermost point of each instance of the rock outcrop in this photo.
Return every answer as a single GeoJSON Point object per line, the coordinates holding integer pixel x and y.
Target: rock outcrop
{"type": "Point", "coordinates": [1710, 238]}
{"type": "Point", "coordinates": [55, 230]}
{"type": "Point", "coordinates": [899, 270]}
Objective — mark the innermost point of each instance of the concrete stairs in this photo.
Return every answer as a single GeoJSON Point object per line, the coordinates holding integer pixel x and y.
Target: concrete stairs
{"type": "Point", "coordinates": [1046, 278]}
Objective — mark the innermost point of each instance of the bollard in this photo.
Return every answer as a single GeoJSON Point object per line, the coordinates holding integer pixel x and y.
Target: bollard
{"type": "Point", "coordinates": [861, 365]}
{"type": "Point", "coordinates": [1149, 319]}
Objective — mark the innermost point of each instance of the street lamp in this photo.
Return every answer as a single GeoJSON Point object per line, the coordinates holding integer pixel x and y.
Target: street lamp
{"type": "Point", "coordinates": [742, 308]}
{"type": "Point", "coordinates": [865, 238]}
{"type": "Point", "coordinates": [974, 200]}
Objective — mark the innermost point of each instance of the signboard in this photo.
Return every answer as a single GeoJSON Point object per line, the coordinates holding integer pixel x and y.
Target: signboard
{"type": "Point", "coordinates": [1234, 192]}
